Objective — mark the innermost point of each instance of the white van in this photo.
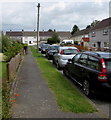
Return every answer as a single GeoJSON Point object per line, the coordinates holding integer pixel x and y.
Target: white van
{"type": "Point", "coordinates": [67, 41]}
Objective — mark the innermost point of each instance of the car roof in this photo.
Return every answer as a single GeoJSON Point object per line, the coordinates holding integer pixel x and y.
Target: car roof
{"type": "Point", "coordinates": [99, 54]}
{"type": "Point", "coordinates": [67, 47]}
{"type": "Point", "coordinates": [53, 45]}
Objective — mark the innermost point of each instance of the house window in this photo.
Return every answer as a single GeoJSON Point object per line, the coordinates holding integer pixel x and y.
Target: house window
{"type": "Point", "coordinates": [105, 31]}
{"type": "Point", "coordinates": [93, 34]}
{"type": "Point", "coordinates": [93, 45]}
{"type": "Point", "coordinates": [86, 36]}
{"type": "Point", "coordinates": [106, 44]}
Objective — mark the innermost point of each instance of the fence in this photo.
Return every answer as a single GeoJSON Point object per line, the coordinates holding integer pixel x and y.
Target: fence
{"type": "Point", "coordinates": [13, 65]}
{"type": "Point", "coordinates": [86, 48]}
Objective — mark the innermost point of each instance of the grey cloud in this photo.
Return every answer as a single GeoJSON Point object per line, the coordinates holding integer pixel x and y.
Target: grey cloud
{"type": "Point", "coordinates": [23, 15]}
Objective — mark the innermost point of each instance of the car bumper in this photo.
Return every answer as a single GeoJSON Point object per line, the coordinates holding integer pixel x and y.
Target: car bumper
{"type": "Point", "coordinates": [103, 88]}
{"type": "Point", "coordinates": [62, 62]}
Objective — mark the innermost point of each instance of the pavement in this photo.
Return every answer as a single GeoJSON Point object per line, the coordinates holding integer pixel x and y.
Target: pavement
{"type": "Point", "coordinates": [33, 97]}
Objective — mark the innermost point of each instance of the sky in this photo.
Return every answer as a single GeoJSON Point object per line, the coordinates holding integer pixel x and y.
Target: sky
{"type": "Point", "coordinates": [60, 15]}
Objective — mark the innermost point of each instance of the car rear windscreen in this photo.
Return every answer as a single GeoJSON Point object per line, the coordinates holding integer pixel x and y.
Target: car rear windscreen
{"type": "Point", "coordinates": [54, 47]}
{"type": "Point", "coordinates": [70, 51]}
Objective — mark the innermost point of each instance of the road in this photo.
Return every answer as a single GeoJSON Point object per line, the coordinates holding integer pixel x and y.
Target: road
{"type": "Point", "coordinates": [103, 103]}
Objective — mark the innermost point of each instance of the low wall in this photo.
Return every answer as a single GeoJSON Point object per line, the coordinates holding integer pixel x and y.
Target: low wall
{"type": "Point", "coordinates": [2, 57]}
{"type": "Point", "coordinates": [13, 65]}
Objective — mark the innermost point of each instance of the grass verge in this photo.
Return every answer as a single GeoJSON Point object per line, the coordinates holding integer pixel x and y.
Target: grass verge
{"type": "Point", "coordinates": [2, 70]}
{"type": "Point", "coordinates": [68, 98]}
{"type": "Point", "coordinates": [4, 93]}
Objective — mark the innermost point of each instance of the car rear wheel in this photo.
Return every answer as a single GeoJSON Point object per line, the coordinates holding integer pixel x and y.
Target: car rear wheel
{"type": "Point", "coordinates": [53, 61]}
{"type": "Point", "coordinates": [86, 88]}
{"type": "Point", "coordinates": [65, 72]}
{"type": "Point", "coordinates": [58, 66]}
{"type": "Point", "coordinates": [48, 57]}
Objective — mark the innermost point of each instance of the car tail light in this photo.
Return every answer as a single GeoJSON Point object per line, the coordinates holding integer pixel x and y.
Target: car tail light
{"type": "Point", "coordinates": [78, 50]}
{"type": "Point", "coordinates": [102, 76]}
{"type": "Point", "coordinates": [61, 52]}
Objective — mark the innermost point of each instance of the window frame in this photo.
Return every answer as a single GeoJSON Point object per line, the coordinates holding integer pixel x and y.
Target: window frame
{"type": "Point", "coordinates": [85, 64]}
{"type": "Point", "coordinates": [105, 31]}
{"type": "Point", "coordinates": [89, 65]}
{"type": "Point", "coordinates": [73, 61]}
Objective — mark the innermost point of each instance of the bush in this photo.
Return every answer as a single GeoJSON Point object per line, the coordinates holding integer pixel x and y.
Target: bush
{"type": "Point", "coordinates": [76, 42]}
{"type": "Point", "coordinates": [10, 48]}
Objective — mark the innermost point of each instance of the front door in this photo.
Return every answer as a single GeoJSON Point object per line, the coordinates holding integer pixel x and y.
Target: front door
{"type": "Point", "coordinates": [99, 45]}
{"type": "Point", "coordinates": [30, 42]}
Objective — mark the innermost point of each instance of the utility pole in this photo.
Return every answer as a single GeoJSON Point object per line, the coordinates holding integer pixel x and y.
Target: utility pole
{"type": "Point", "coordinates": [38, 27]}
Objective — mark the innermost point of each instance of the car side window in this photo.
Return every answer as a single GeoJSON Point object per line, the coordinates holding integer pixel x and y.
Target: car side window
{"type": "Point", "coordinates": [93, 63]}
{"type": "Point", "coordinates": [76, 58]}
{"type": "Point", "coordinates": [83, 59]}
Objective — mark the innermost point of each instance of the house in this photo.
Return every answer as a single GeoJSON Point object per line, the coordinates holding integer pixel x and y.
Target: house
{"type": "Point", "coordinates": [81, 37]}
{"type": "Point", "coordinates": [64, 35]}
{"type": "Point", "coordinates": [100, 35]}
{"type": "Point", "coordinates": [15, 35]}
{"type": "Point", "coordinates": [30, 37]}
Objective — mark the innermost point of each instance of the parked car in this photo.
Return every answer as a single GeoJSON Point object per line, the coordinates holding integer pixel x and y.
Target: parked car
{"type": "Point", "coordinates": [92, 70]}
{"type": "Point", "coordinates": [52, 49]}
{"type": "Point", "coordinates": [44, 48]}
{"type": "Point", "coordinates": [63, 54]}
{"type": "Point", "coordinates": [67, 41]}
{"type": "Point", "coordinates": [40, 46]}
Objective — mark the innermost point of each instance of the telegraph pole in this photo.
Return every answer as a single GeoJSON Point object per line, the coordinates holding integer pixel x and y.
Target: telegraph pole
{"type": "Point", "coordinates": [38, 27]}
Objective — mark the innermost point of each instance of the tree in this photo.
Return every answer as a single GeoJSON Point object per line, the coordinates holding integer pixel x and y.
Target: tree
{"type": "Point", "coordinates": [74, 29]}
{"type": "Point", "coordinates": [50, 30]}
{"type": "Point", "coordinates": [88, 26]}
{"type": "Point", "coordinates": [94, 23]}
{"type": "Point", "coordinates": [54, 39]}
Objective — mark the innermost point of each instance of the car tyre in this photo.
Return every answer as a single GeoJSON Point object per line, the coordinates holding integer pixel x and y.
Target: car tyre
{"type": "Point", "coordinates": [58, 66]}
{"type": "Point", "coordinates": [87, 88]}
{"type": "Point", "coordinates": [48, 57]}
{"type": "Point", "coordinates": [65, 72]}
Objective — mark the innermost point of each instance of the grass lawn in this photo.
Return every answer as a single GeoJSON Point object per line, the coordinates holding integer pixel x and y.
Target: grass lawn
{"type": "Point", "coordinates": [2, 76]}
{"type": "Point", "coordinates": [68, 98]}
{"type": "Point", "coordinates": [4, 92]}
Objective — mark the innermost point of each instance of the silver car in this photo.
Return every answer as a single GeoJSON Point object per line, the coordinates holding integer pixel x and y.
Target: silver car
{"type": "Point", "coordinates": [63, 54]}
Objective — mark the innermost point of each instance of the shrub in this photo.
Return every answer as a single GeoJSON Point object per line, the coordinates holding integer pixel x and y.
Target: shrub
{"type": "Point", "coordinates": [76, 42]}
{"type": "Point", "coordinates": [10, 48]}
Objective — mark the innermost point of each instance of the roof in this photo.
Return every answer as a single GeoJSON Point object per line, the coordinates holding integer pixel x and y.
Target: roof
{"type": "Point", "coordinates": [104, 23]}
{"type": "Point", "coordinates": [64, 34]}
{"type": "Point", "coordinates": [34, 33]}
{"type": "Point", "coordinates": [16, 33]}
{"type": "Point", "coordinates": [81, 32]}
